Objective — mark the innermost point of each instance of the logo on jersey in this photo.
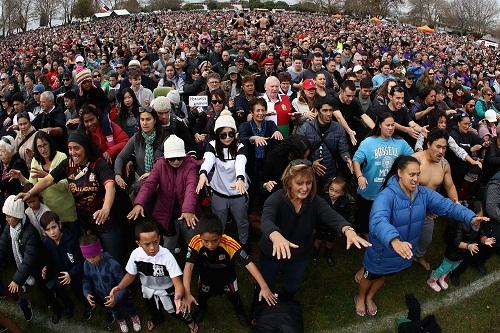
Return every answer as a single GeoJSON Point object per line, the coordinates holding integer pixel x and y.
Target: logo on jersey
{"type": "Point", "coordinates": [158, 270]}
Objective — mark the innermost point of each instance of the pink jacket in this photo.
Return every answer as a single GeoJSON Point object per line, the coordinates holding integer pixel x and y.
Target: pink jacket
{"type": "Point", "coordinates": [169, 183]}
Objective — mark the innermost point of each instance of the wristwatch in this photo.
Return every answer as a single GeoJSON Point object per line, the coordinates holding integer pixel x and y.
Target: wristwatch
{"type": "Point", "coordinates": [347, 229]}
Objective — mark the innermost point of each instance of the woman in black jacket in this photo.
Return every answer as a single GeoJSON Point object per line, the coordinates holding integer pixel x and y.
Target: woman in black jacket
{"type": "Point", "coordinates": [10, 160]}
{"type": "Point", "coordinates": [288, 221]}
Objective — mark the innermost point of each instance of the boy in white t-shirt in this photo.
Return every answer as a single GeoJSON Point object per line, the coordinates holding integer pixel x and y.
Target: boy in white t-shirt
{"type": "Point", "coordinates": [160, 275]}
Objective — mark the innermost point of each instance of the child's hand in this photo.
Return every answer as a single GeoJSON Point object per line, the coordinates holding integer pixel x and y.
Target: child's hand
{"type": "Point", "coordinates": [268, 295]}
{"type": "Point", "coordinates": [490, 241]}
{"type": "Point", "coordinates": [13, 287]}
{"type": "Point", "coordinates": [64, 278]}
{"type": "Point", "coordinates": [188, 302]}
{"type": "Point", "coordinates": [472, 248]}
{"type": "Point", "coordinates": [114, 291]}
{"type": "Point", "coordinates": [91, 301]}
{"type": "Point", "coordinates": [110, 301]}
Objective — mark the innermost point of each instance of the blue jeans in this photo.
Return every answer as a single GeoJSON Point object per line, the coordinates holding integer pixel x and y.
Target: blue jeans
{"type": "Point", "coordinates": [293, 271]}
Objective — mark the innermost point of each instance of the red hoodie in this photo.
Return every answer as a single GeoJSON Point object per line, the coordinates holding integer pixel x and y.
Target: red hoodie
{"type": "Point", "coordinates": [114, 145]}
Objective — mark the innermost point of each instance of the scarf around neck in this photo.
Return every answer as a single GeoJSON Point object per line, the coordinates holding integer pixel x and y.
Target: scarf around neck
{"type": "Point", "coordinates": [149, 152]}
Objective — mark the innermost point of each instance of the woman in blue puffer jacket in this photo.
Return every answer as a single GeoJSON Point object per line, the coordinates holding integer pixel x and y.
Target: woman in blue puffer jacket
{"type": "Point", "coordinates": [396, 221]}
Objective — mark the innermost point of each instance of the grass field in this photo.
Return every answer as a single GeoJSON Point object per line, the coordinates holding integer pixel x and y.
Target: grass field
{"type": "Point", "coordinates": [327, 300]}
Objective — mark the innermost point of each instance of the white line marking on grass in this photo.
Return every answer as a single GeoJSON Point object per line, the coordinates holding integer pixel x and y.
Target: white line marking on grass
{"type": "Point", "coordinates": [454, 297]}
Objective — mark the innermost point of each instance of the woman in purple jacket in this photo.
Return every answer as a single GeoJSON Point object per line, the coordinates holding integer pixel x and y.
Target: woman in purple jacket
{"type": "Point", "coordinates": [173, 180]}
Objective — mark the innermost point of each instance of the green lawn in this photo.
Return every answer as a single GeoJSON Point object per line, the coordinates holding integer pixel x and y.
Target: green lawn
{"type": "Point", "coordinates": [327, 298]}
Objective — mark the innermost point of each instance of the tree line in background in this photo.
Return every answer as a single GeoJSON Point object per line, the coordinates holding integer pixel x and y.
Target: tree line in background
{"type": "Point", "coordinates": [465, 16]}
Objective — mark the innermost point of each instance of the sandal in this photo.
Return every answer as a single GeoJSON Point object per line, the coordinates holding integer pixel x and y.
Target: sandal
{"type": "Point", "coordinates": [194, 329]}
{"type": "Point", "coordinates": [359, 313]}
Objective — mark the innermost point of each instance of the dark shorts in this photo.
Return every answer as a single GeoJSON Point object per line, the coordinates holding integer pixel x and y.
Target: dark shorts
{"type": "Point", "coordinates": [371, 276]}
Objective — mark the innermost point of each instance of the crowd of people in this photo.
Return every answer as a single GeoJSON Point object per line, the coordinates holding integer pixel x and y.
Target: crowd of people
{"type": "Point", "coordinates": [296, 127]}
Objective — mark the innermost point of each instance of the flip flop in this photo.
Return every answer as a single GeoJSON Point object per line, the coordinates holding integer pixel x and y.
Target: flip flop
{"type": "Point", "coordinates": [359, 313]}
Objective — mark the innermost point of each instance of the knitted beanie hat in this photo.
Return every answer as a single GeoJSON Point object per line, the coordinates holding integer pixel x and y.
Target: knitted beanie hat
{"type": "Point", "coordinates": [84, 74]}
{"type": "Point", "coordinates": [161, 103]}
{"type": "Point", "coordinates": [174, 147]}
{"type": "Point", "coordinates": [13, 207]}
{"type": "Point", "coordinates": [225, 119]}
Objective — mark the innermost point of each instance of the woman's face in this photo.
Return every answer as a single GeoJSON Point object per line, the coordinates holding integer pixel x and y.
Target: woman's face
{"type": "Point", "coordinates": [147, 122]}
{"type": "Point", "coordinates": [175, 162]}
{"type": "Point", "coordinates": [227, 136]}
{"type": "Point", "coordinates": [409, 176]}
{"type": "Point", "coordinates": [90, 121]}
{"type": "Point", "coordinates": [310, 92]}
{"type": "Point", "coordinates": [464, 124]}
{"type": "Point", "coordinates": [5, 155]}
{"type": "Point", "coordinates": [217, 104]}
{"type": "Point", "coordinates": [24, 125]}
{"type": "Point", "coordinates": [77, 153]}
{"type": "Point", "coordinates": [487, 95]}
{"type": "Point", "coordinates": [43, 148]}
{"type": "Point", "coordinates": [441, 124]}
{"type": "Point", "coordinates": [259, 113]}
{"type": "Point", "coordinates": [321, 80]}
{"type": "Point", "coordinates": [300, 187]}
{"type": "Point", "coordinates": [387, 127]}
{"type": "Point", "coordinates": [28, 83]}
{"type": "Point", "coordinates": [233, 76]}
{"type": "Point", "coordinates": [169, 72]}
{"type": "Point", "coordinates": [195, 75]}
{"type": "Point", "coordinates": [128, 100]}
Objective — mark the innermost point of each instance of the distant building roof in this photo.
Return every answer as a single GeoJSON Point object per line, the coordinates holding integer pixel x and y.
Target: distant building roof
{"type": "Point", "coordinates": [116, 12]}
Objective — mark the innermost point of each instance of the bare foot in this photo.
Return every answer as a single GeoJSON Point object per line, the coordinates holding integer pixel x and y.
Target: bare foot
{"type": "Point", "coordinates": [360, 306]}
{"type": "Point", "coordinates": [371, 307]}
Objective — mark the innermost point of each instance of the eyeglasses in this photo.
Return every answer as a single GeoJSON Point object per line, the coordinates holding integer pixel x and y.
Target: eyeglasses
{"type": "Point", "coordinates": [67, 79]}
{"type": "Point", "coordinates": [174, 159]}
{"type": "Point", "coordinates": [300, 162]}
{"type": "Point", "coordinates": [431, 73]}
{"type": "Point", "coordinates": [223, 136]}
{"type": "Point", "coordinates": [217, 101]}
{"type": "Point", "coordinates": [95, 76]}
{"type": "Point", "coordinates": [103, 63]}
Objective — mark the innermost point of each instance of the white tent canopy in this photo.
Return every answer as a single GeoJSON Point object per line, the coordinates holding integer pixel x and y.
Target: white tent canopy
{"type": "Point", "coordinates": [113, 13]}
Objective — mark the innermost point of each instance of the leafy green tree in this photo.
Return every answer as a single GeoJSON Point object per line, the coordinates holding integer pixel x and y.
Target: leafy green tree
{"type": "Point", "coordinates": [83, 8]}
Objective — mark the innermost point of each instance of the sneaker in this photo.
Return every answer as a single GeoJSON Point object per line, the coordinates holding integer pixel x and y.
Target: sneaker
{"type": "Point", "coordinates": [122, 325]}
{"type": "Point", "coordinates": [87, 314]}
{"type": "Point", "coordinates": [442, 282]}
{"type": "Point", "coordinates": [25, 306]}
{"type": "Point", "coordinates": [433, 284]}
{"type": "Point", "coordinates": [136, 323]}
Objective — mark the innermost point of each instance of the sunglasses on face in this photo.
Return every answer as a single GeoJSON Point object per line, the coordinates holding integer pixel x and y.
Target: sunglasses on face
{"type": "Point", "coordinates": [174, 159]}
{"type": "Point", "coordinates": [217, 101]}
{"type": "Point", "coordinates": [96, 76]}
{"type": "Point", "coordinates": [224, 135]}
